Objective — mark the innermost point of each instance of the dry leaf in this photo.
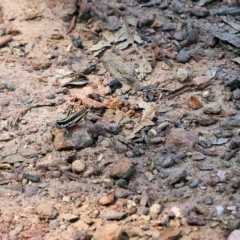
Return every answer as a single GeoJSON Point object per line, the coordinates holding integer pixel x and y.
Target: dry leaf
{"type": "Point", "coordinates": [146, 120]}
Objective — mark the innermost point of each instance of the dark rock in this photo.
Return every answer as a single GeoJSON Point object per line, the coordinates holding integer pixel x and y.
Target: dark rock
{"type": "Point", "coordinates": [76, 42]}
{"type": "Point", "coordinates": [119, 144]}
{"type": "Point", "coordinates": [150, 96]}
{"type": "Point", "coordinates": [179, 36]}
{"type": "Point", "coordinates": [179, 176]}
{"type": "Point", "coordinates": [199, 12]}
{"type": "Point", "coordinates": [122, 169]}
{"type": "Point", "coordinates": [178, 193]}
{"type": "Point", "coordinates": [177, 6]}
{"type": "Point", "coordinates": [9, 87]}
{"type": "Point", "coordinates": [208, 201]}
{"type": "Point", "coordinates": [114, 128]}
{"type": "Point", "coordinates": [168, 162]}
{"type": "Point", "coordinates": [211, 41]}
{"type": "Point", "coordinates": [220, 141]}
{"type": "Point", "coordinates": [234, 143]}
{"type": "Point", "coordinates": [234, 84]}
{"type": "Point", "coordinates": [115, 84]}
{"type": "Point", "coordinates": [51, 96]}
{"type": "Point", "coordinates": [183, 57]}
{"type": "Point", "coordinates": [195, 220]}
{"type": "Point", "coordinates": [235, 182]}
{"type": "Point", "coordinates": [30, 177]}
{"type": "Point", "coordinates": [217, 133]}
{"type": "Point", "coordinates": [194, 183]}
{"type": "Point", "coordinates": [30, 191]}
{"type": "Point", "coordinates": [191, 38]}
{"type": "Point", "coordinates": [122, 183]}
{"type": "Point", "coordinates": [236, 94]}
{"type": "Point", "coordinates": [74, 138]}
{"type": "Point", "coordinates": [168, 27]}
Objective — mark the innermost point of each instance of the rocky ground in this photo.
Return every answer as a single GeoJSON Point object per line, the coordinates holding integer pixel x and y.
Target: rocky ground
{"type": "Point", "coordinates": [119, 119]}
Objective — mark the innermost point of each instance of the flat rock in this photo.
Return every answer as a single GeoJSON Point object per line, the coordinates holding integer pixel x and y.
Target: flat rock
{"type": "Point", "coordinates": [13, 159]}
{"type": "Point", "coordinates": [180, 138]}
{"type": "Point", "coordinates": [179, 175]}
{"type": "Point", "coordinates": [84, 66]}
{"type": "Point", "coordinates": [202, 82]}
{"type": "Point", "coordinates": [212, 108]}
{"type": "Point", "coordinates": [8, 151]}
{"type": "Point", "coordinates": [235, 235]}
{"type": "Point", "coordinates": [73, 138]}
{"type": "Point", "coordinates": [120, 69]}
{"type": "Point", "coordinates": [46, 211]}
{"type": "Point", "coordinates": [195, 220]}
{"type": "Point", "coordinates": [122, 169]}
{"type": "Point", "coordinates": [110, 231]}
{"type": "Point", "coordinates": [114, 215]}
{"type": "Point", "coordinates": [197, 156]}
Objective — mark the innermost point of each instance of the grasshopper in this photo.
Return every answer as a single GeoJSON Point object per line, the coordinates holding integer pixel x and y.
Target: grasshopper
{"type": "Point", "coordinates": [72, 119]}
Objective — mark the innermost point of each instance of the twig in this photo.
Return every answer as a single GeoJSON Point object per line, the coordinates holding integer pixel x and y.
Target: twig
{"type": "Point", "coordinates": [23, 112]}
{"type": "Point", "coordinates": [74, 17]}
{"type": "Point", "coordinates": [5, 40]}
{"type": "Point", "coordinates": [179, 91]}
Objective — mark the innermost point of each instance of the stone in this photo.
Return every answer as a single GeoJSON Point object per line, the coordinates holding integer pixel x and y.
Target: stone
{"type": "Point", "coordinates": [168, 162]}
{"type": "Point", "coordinates": [194, 102]}
{"type": "Point", "coordinates": [122, 169]}
{"type": "Point", "coordinates": [118, 143]}
{"type": "Point", "coordinates": [202, 82]}
{"type": "Point", "coordinates": [78, 166]}
{"type": "Point", "coordinates": [235, 235]}
{"type": "Point", "coordinates": [170, 233]}
{"type": "Point", "coordinates": [199, 12]}
{"type": "Point", "coordinates": [212, 108]}
{"type": "Point", "coordinates": [68, 217]}
{"type": "Point", "coordinates": [180, 138]}
{"type": "Point", "coordinates": [84, 66]}
{"type": "Point", "coordinates": [107, 200]}
{"type": "Point", "coordinates": [177, 6]}
{"type": "Point", "coordinates": [197, 156]}
{"type": "Point", "coordinates": [152, 133]}
{"type": "Point", "coordinates": [182, 75]}
{"type": "Point", "coordinates": [179, 176]}
{"type": "Point", "coordinates": [91, 103]}
{"type": "Point", "coordinates": [120, 69]}
{"type": "Point", "coordinates": [195, 220]}
{"type": "Point", "coordinates": [183, 57]}
{"type": "Point", "coordinates": [144, 199]}
{"type": "Point", "coordinates": [113, 215]}
{"type": "Point", "coordinates": [74, 138]}
{"type": "Point", "coordinates": [113, 103]}
{"type": "Point", "coordinates": [110, 231]}
{"type": "Point", "coordinates": [13, 159]}
{"type": "Point", "coordinates": [46, 211]}
{"type": "Point", "coordinates": [80, 225]}
{"type": "Point", "coordinates": [236, 94]}
{"type": "Point", "coordinates": [31, 234]}
{"type": "Point", "coordinates": [155, 209]}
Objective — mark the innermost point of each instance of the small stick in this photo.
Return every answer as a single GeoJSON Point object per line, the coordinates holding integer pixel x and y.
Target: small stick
{"type": "Point", "coordinates": [5, 40]}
